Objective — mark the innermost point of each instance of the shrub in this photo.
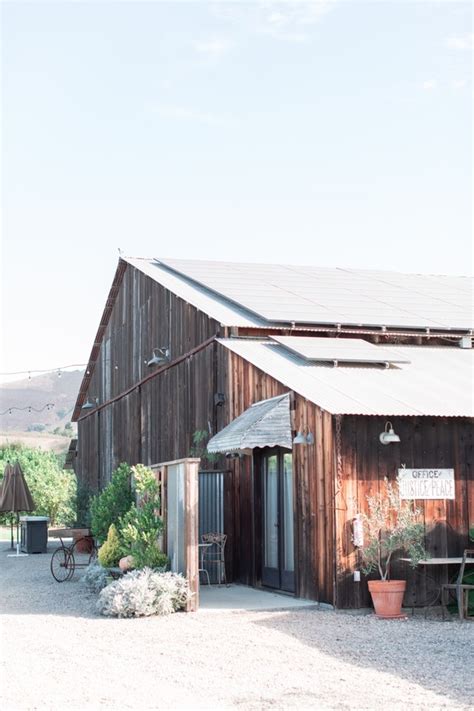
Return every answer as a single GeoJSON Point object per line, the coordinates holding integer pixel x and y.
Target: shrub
{"type": "Point", "coordinates": [83, 505]}
{"type": "Point", "coordinates": [110, 552]}
{"type": "Point", "coordinates": [95, 577]}
{"type": "Point", "coordinates": [112, 503]}
{"type": "Point", "coordinates": [53, 489]}
{"type": "Point", "coordinates": [141, 525]}
{"type": "Point", "coordinates": [142, 593]}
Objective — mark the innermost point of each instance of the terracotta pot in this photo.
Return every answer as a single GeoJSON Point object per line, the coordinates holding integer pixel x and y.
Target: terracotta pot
{"type": "Point", "coordinates": [84, 544]}
{"type": "Point", "coordinates": [387, 596]}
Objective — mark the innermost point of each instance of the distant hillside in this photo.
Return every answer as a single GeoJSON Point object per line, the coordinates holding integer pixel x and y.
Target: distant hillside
{"type": "Point", "coordinates": [61, 391]}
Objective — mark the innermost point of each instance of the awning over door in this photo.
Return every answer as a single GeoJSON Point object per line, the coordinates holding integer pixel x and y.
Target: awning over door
{"type": "Point", "coordinates": [264, 424]}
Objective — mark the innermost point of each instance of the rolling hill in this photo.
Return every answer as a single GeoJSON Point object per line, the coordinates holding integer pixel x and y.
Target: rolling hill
{"type": "Point", "coordinates": [36, 392]}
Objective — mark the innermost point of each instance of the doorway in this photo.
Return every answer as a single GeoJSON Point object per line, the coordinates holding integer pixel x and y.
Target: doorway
{"type": "Point", "coordinates": [278, 563]}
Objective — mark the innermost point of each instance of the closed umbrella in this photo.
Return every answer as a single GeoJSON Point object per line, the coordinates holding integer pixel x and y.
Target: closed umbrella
{"type": "Point", "coordinates": [6, 475]}
{"type": "Point", "coordinates": [15, 496]}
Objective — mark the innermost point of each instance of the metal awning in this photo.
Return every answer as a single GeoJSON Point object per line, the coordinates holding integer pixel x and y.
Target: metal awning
{"type": "Point", "coordinates": [264, 424]}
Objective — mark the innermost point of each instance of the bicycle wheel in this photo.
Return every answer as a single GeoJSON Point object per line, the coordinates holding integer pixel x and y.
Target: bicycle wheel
{"type": "Point", "coordinates": [59, 565]}
{"type": "Point", "coordinates": [71, 564]}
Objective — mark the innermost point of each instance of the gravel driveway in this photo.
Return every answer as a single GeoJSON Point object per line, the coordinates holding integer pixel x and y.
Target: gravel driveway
{"type": "Point", "coordinates": [57, 653]}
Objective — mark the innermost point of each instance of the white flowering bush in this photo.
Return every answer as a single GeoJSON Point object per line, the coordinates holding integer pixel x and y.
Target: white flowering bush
{"type": "Point", "coordinates": [142, 593]}
{"type": "Point", "coordinates": [95, 577]}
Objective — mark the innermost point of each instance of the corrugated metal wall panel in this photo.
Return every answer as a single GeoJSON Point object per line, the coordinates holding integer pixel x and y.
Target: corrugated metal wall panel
{"type": "Point", "coordinates": [211, 509]}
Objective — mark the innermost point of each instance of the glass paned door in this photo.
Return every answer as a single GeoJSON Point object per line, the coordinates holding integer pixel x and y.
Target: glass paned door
{"type": "Point", "coordinates": [277, 509]}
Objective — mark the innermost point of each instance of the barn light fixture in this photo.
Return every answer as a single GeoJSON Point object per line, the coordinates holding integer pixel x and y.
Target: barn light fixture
{"type": "Point", "coordinates": [232, 455]}
{"type": "Point", "coordinates": [89, 405]}
{"type": "Point", "coordinates": [388, 435]}
{"type": "Point", "coordinates": [219, 399]}
{"type": "Point", "coordinates": [301, 438]}
{"type": "Point", "coordinates": [160, 356]}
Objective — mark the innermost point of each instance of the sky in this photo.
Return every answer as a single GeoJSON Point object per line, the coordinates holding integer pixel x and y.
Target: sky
{"type": "Point", "coordinates": [330, 133]}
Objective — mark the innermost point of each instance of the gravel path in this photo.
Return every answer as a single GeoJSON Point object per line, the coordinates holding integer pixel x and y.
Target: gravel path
{"type": "Point", "coordinates": [57, 653]}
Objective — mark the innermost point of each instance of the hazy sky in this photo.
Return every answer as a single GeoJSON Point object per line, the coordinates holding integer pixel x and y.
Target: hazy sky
{"type": "Point", "coordinates": [332, 133]}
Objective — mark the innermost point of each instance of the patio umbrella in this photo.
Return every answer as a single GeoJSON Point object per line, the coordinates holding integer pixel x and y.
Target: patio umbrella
{"type": "Point", "coordinates": [6, 475]}
{"type": "Point", "coordinates": [15, 496]}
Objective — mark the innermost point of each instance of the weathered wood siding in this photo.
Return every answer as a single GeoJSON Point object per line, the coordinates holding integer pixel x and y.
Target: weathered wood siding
{"type": "Point", "coordinates": [313, 468]}
{"type": "Point", "coordinates": [155, 422]}
{"type": "Point", "coordinates": [425, 442]}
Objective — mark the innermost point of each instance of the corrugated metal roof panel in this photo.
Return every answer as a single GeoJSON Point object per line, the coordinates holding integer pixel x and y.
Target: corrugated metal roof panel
{"type": "Point", "coordinates": [217, 307]}
{"type": "Point", "coordinates": [280, 293]}
{"type": "Point", "coordinates": [264, 424]}
{"type": "Point", "coordinates": [339, 349]}
{"type": "Point", "coordinates": [437, 381]}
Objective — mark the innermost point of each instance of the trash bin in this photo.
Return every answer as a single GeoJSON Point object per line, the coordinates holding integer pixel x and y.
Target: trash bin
{"type": "Point", "coordinates": [34, 534]}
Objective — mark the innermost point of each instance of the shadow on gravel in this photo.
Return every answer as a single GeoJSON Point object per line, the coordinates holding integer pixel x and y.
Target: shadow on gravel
{"type": "Point", "coordinates": [436, 655]}
{"type": "Point", "coordinates": [27, 587]}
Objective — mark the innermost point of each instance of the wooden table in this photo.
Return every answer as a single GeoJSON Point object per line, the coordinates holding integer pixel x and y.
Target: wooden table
{"type": "Point", "coordinates": [437, 561]}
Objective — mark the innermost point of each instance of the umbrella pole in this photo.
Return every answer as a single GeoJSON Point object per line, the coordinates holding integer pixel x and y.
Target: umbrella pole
{"type": "Point", "coordinates": [11, 530]}
{"type": "Point", "coordinates": [17, 554]}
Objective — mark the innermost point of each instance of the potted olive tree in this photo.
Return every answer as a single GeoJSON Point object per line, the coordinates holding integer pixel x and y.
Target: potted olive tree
{"type": "Point", "coordinates": [390, 525]}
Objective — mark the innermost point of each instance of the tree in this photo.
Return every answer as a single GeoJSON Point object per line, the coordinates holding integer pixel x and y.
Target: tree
{"type": "Point", "coordinates": [53, 489]}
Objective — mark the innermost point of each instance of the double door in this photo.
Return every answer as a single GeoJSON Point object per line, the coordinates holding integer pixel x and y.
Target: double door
{"type": "Point", "coordinates": [278, 565]}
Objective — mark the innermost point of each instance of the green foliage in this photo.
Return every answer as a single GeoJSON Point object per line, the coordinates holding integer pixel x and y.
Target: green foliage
{"type": "Point", "coordinates": [390, 525]}
{"type": "Point", "coordinates": [83, 506]}
{"type": "Point", "coordinates": [471, 532]}
{"type": "Point", "coordinates": [112, 502]}
{"type": "Point", "coordinates": [200, 439]}
{"type": "Point", "coordinates": [36, 427]}
{"type": "Point", "coordinates": [141, 525]}
{"type": "Point", "coordinates": [142, 593]}
{"type": "Point", "coordinates": [53, 489]}
{"type": "Point", "coordinates": [110, 552]}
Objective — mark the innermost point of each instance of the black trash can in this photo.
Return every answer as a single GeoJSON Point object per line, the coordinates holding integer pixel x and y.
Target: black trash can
{"type": "Point", "coordinates": [34, 534]}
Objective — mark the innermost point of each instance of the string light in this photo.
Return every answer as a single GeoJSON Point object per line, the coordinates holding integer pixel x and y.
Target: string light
{"type": "Point", "coordinates": [46, 370]}
{"type": "Point", "coordinates": [30, 408]}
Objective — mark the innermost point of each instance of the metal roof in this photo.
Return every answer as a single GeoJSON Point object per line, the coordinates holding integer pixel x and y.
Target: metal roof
{"type": "Point", "coordinates": [339, 349]}
{"type": "Point", "coordinates": [438, 381]}
{"type": "Point", "coordinates": [264, 424]}
{"type": "Point", "coordinates": [215, 306]}
{"type": "Point", "coordinates": [306, 294]}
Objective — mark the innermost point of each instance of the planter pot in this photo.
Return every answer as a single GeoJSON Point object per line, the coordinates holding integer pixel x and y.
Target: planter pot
{"type": "Point", "coordinates": [84, 544]}
{"type": "Point", "coordinates": [387, 596]}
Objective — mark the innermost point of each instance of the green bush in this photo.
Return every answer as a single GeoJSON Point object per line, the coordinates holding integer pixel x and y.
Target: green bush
{"type": "Point", "coordinates": [110, 552]}
{"type": "Point", "coordinates": [111, 503]}
{"type": "Point", "coordinates": [53, 489]}
{"type": "Point", "coordinates": [141, 525]}
{"type": "Point", "coordinates": [83, 505]}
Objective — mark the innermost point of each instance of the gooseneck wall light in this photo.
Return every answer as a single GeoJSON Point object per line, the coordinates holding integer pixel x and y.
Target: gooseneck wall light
{"type": "Point", "coordinates": [90, 404]}
{"type": "Point", "coordinates": [159, 356]}
{"type": "Point", "coordinates": [301, 438]}
{"type": "Point", "coordinates": [388, 435]}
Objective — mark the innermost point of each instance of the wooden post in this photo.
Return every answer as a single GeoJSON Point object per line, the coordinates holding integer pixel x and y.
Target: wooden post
{"type": "Point", "coordinates": [192, 531]}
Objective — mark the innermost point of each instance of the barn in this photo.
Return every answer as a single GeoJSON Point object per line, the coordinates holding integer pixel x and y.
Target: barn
{"type": "Point", "coordinates": [309, 386]}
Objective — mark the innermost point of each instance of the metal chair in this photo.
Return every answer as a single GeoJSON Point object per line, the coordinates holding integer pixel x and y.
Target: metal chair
{"type": "Point", "coordinates": [462, 589]}
{"type": "Point", "coordinates": [215, 554]}
{"type": "Point", "coordinates": [202, 569]}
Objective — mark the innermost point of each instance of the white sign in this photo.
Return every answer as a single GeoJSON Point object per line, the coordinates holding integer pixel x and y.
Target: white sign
{"type": "Point", "coordinates": [426, 483]}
